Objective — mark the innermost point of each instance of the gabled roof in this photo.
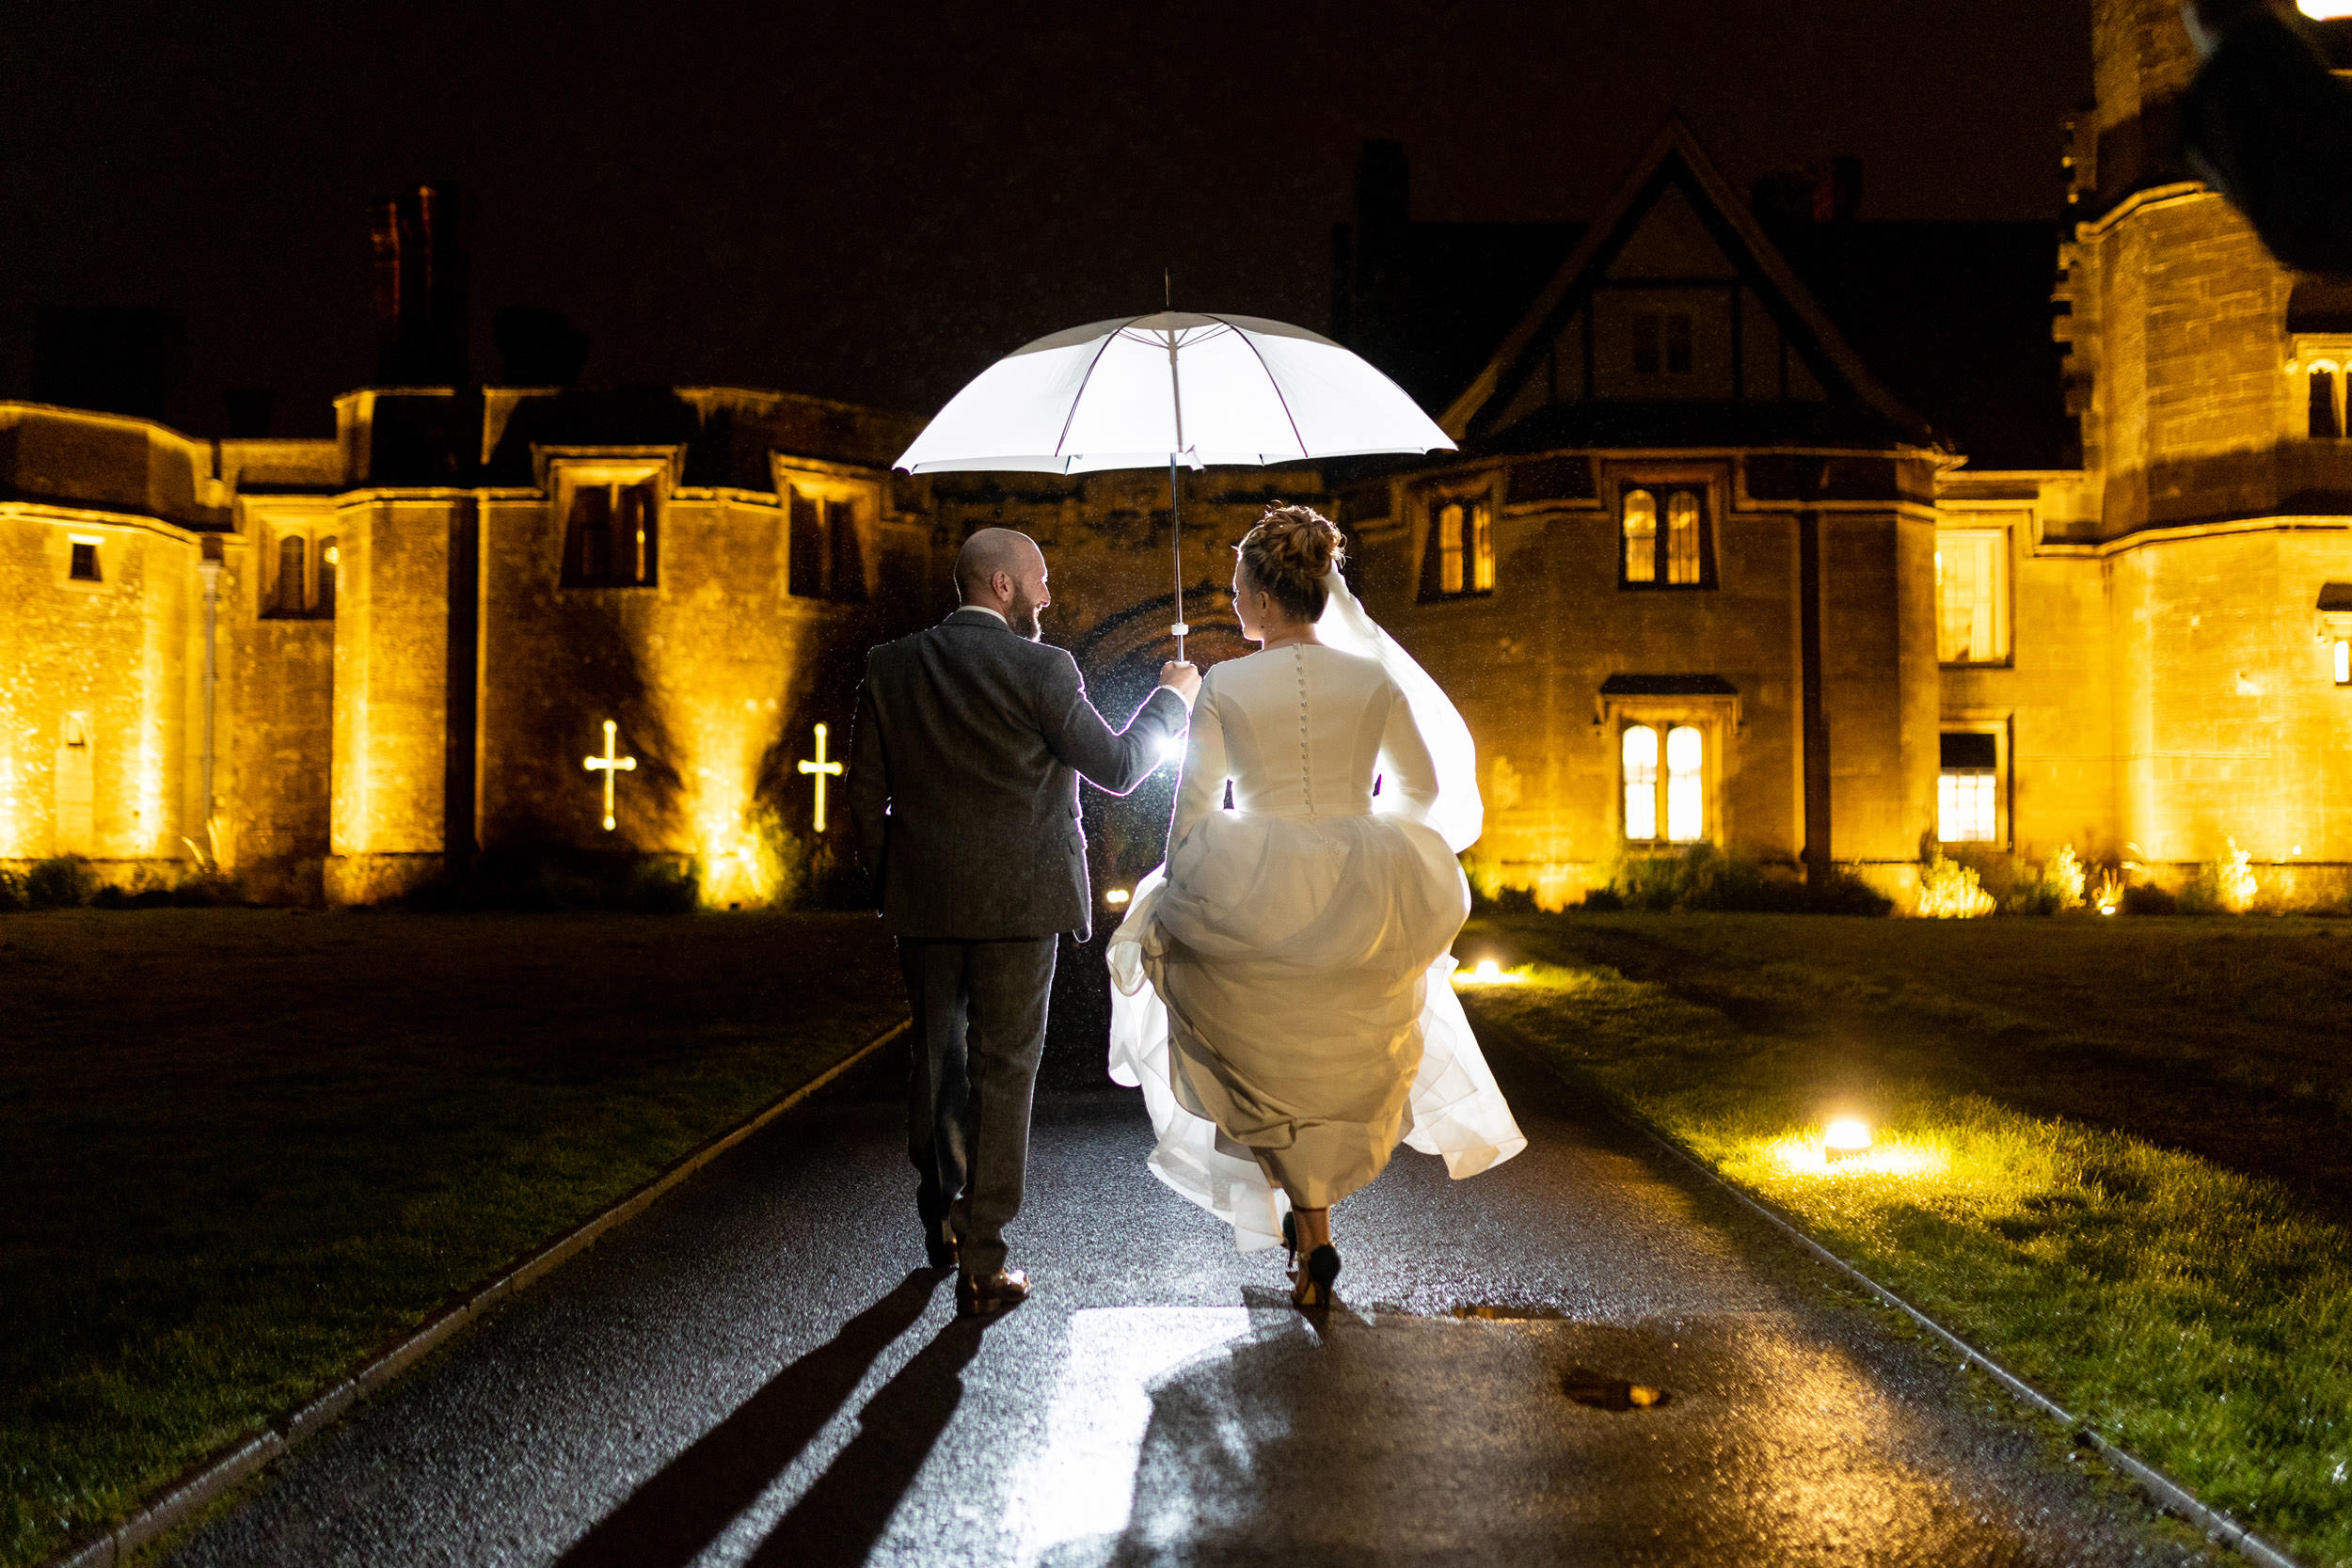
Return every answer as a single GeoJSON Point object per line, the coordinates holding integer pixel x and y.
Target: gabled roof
{"type": "Point", "coordinates": [1859, 403]}
{"type": "Point", "coordinates": [1955, 318]}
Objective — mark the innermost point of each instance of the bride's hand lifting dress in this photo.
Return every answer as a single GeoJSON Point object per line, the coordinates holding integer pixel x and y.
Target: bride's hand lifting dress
{"type": "Point", "coordinates": [1282, 988]}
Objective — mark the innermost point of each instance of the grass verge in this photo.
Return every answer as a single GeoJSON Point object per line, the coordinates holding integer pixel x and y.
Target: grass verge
{"type": "Point", "coordinates": [2197, 1316]}
{"type": "Point", "coordinates": [247, 1147]}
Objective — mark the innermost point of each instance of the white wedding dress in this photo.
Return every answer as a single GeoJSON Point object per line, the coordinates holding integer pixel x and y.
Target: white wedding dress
{"type": "Point", "coordinates": [1282, 988]}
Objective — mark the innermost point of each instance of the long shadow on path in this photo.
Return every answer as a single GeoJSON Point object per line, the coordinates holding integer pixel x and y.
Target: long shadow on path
{"type": "Point", "coordinates": [838, 1520]}
{"type": "Point", "coordinates": [672, 1518]}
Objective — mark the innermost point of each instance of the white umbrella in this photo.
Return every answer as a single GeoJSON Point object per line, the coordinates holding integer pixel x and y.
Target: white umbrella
{"type": "Point", "coordinates": [1177, 388]}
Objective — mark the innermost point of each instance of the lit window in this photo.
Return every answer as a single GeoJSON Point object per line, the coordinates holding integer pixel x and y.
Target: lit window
{"type": "Point", "coordinates": [2344, 662]}
{"type": "Point", "coordinates": [330, 565]}
{"type": "Point", "coordinates": [83, 567]}
{"type": "Point", "coordinates": [1640, 536]}
{"type": "Point", "coordinates": [1971, 590]}
{"type": "Point", "coordinates": [1461, 554]}
{"type": "Point", "coordinates": [1967, 793]}
{"type": "Point", "coordinates": [1682, 537]}
{"type": "Point", "coordinates": [289, 563]}
{"type": "Point", "coordinates": [1676, 795]}
{"type": "Point", "coordinates": [1676, 556]}
{"type": "Point", "coordinates": [1686, 788]}
{"type": "Point", "coordinates": [609, 539]}
{"type": "Point", "coordinates": [1641, 782]}
{"type": "Point", "coordinates": [2327, 412]}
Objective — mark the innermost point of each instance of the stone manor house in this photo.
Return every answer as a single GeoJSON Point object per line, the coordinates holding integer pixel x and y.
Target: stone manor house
{"type": "Point", "coordinates": [1807, 536]}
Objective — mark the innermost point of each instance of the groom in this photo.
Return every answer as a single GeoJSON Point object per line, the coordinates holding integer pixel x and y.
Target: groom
{"type": "Point", "coordinates": [964, 781]}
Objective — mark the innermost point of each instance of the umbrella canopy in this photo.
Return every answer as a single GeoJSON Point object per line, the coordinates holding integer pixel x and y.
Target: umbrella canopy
{"type": "Point", "coordinates": [1177, 388]}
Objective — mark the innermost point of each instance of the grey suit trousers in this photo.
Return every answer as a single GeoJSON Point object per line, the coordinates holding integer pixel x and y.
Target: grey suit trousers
{"type": "Point", "coordinates": [980, 1028]}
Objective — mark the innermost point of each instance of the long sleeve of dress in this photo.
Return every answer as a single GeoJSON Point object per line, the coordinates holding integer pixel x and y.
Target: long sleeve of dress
{"type": "Point", "coordinates": [1201, 790]}
{"type": "Point", "coordinates": [1409, 774]}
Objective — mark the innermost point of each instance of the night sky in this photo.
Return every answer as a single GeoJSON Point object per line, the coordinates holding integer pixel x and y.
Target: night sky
{"type": "Point", "coordinates": [871, 201]}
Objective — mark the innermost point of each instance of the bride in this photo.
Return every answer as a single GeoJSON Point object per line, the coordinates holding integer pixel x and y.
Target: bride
{"type": "Point", "coordinates": [1281, 988]}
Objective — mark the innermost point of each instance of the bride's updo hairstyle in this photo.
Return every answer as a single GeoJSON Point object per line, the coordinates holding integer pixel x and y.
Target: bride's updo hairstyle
{"type": "Point", "coordinates": [1287, 557]}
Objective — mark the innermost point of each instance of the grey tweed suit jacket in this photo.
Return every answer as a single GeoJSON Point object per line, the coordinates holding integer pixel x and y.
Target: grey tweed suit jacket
{"type": "Point", "coordinates": [964, 780]}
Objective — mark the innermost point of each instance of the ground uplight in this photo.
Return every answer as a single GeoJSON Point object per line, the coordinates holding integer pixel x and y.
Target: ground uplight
{"type": "Point", "coordinates": [1846, 1139]}
{"type": "Point", "coordinates": [1486, 972]}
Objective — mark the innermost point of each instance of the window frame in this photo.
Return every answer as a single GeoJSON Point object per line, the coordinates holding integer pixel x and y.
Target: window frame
{"type": "Point", "coordinates": [1663, 482]}
{"type": "Point", "coordinates": [1997, 726]}
{"type": "Point", "coordinates": [74, 545]}
{"type": "Point", "coordinates": [1476, 555]}
{"type": "Point", "coordinates": [827, 487]}
{"type": "Point", "coordinates": [2005, 525]}
{"type": "Point", "coordinates": [617, 479]}
{"type": "Point", "coordinates": [2311, 353]}
{"type": "Point", "coordinates": [1717, 721]}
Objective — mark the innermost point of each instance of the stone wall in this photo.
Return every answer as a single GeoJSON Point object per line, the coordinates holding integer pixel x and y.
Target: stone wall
{"type": "Point", "coordinates": [392, 693]}
{"type": "Point", "coordinates": [2228, 723]}
{"type": "Point", "coordinates": [95, 690]}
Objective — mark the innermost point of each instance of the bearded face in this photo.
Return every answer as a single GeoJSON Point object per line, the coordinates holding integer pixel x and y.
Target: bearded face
{"type": "Point", "coordinates": [1022, 615]}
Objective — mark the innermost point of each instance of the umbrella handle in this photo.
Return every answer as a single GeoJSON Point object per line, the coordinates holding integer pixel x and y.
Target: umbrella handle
{"type": "Point", "coordinates": [1176, 548]}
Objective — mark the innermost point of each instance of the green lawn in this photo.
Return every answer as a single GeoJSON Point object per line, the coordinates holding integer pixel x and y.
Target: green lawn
{"type": "Point", "coordinates": [244, 1148]}
{"type": "Point", "coordinates": [2079, 1124]}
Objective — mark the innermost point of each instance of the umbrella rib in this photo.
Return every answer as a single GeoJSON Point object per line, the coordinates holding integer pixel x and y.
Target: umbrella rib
{"type": "Point", "coordinates": [1270, 381]}
{"type": "Point", "coordinates": [1079, 396]}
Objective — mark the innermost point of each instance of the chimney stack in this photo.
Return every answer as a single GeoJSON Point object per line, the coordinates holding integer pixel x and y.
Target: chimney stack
{"type": "Point", "coordinates": [420, 290]}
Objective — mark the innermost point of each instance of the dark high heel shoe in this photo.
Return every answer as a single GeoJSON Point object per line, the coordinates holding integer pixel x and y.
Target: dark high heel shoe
{"type": "Point", "coordinates": [1310, 1285]}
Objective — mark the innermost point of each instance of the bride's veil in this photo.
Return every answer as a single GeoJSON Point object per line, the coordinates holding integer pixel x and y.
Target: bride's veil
{"type": "Point", "coordinates": [1460, 815]}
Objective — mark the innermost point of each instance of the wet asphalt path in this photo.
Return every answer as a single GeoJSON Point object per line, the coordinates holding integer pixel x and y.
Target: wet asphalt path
{"type": "Point", "coordinates": [760, 1372]}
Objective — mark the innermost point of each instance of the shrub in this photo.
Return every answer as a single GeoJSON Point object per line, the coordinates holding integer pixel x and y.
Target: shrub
{"type": "Point", "coordinates": [1949, 890]}
{"type": "Point", "coordinates": [2148, 899]}
{"type": "Point", "coordinates": [2056, 886]}
{"type": "Point", "coordinates": [65, 882]}
{"type": "Point", "coordinates": [1704, 877]}
{"type": "Point", "coordinates": [13, 894]}
{"type": "Point", "coordinates": [1505, 901]}
{"type": "Point", "coordinates": [2222, 886]}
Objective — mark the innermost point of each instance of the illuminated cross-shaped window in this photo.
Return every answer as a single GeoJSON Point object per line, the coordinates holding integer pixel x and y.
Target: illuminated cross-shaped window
{"type": "Point", "coordinates": [822, 769]}
{"type": "Point", "coordinates": [609, 766]}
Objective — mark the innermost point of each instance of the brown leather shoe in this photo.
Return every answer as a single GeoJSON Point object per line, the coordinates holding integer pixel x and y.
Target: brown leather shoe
{"type": "Point", "coordinates": [984, 1295]}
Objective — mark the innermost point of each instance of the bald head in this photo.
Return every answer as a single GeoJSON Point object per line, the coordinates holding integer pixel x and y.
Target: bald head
{"type": "Point", "coordinates": [1002, 570]}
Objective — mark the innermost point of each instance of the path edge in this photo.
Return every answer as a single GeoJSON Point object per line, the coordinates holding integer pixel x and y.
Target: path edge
{"type": "Point", "coordinates": [2219, 1528]}
{"type": "Point", "coordinates": [176, 1502]}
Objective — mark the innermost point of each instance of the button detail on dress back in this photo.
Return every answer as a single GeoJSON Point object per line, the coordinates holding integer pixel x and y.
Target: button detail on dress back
{"type": "Point", "coordinates": [1306, 766]}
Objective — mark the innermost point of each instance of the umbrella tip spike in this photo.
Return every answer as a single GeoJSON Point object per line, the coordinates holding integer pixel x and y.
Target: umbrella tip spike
{"type": "Point", "coordinates": [1167, 288]}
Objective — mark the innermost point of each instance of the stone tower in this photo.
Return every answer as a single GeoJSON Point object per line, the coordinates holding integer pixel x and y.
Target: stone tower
{"type": "Point", "coordinates": [2216, 485]}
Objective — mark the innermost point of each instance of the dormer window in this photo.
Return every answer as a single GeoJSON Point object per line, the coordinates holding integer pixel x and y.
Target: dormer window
{"type": "Point", "coordinates": [610, 538]}
{"type": "Point", "coordinates": [828, 560]}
